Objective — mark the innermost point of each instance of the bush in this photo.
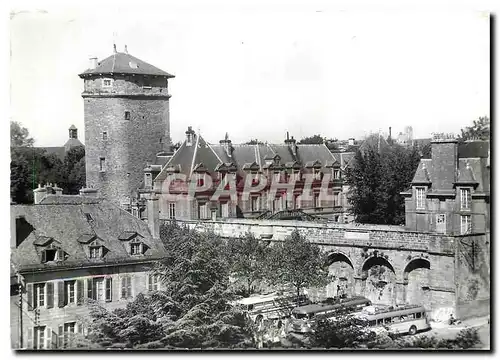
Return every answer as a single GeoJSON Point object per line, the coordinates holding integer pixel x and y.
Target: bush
{"type": "Point", "coordinates": [467, 338]}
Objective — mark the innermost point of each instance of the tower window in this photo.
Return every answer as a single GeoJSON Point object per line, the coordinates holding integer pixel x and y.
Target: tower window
{"type": "Point", "coordinates": [105, 135]}
{"type": "Point", "coordinates": [102, 164]}
{"type": "Point", "coordinates": [127, 115]}
{"type": "Point", "coordinates": [106, 83]}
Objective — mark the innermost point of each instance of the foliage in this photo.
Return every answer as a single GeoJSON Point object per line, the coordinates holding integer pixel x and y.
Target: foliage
{"type": "Point", "coordinates": [193, 308]}
{"type": "Point", "coordinates": [344, 331]}
{"type": "Point", "coordinates": [465, 339]}
{"type": "Point", "coordinates": [74, 170]}
{"type": "Point", "coordinates": [480, 130]}
{"type": "Point", "coordinates": [298, 263]}
{"type": "Point", "coordinates": [248, 260]}
{"type": "Point", "coordinates": [315, 139]}
{"type": "Point", "coordinates": [19, 135]}
{"type": "Point", "coordinates": [376, 180]}
{"type": "Point", "coordinates": [254, 142]}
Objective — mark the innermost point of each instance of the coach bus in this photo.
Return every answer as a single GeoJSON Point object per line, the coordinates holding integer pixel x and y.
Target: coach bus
{"type": "Point", "coordinates": [270, 306]}
{"type": "Point", "coordinates": [400, 319]}
{"type": "Point", "coordinates": [303, 317]}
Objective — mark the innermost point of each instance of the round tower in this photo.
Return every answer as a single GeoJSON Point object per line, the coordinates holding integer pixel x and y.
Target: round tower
{"type": "Point", "coordinates": [126, 112]}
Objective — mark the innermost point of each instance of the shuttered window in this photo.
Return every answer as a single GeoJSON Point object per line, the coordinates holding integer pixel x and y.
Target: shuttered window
{"type": "Point", "coordinates": [50, 295]}
{"type": "Point", "coordinates": [126, 287]}
{"type": "Point", "coordinates": [153, 282]}
{"type": "Point", "coordinates": [109, 289]}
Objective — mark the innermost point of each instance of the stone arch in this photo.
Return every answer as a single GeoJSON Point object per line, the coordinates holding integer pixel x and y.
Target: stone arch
{"type": "Point", "coordinates": [379, 279]}
{"type": "Point", "coordinates": [416, 281]}
{"type": "Point", "coordinates": [341, 268]}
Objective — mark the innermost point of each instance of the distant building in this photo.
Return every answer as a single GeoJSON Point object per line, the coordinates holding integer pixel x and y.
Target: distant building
{"type": "Point", "coordinates": [67, 250]}
{"type": "Point", "coordinates": [60, 151]}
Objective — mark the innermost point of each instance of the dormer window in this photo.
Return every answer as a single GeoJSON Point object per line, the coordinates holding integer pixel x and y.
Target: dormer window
{"type": "Point", "coordinates": [52, 255]}
{"type": "Point", "coordinates": [465, 199]}
{"type": "Point", "coordinates": [317, 174]}
{"type": "Point", "coordinates": [95, 252]}
{"type": "Point", "coordinates": [88, 217]}
{"type": "Point", "coordinates": [295, 176]}
{"type": "Point", "coordinates": [277, 177]}
{"type": "Point", "coordinates": [107, 83]}
{"type": "Point", "coordinates": [136, 248]}
{"type": "Point", "coordinates": [336, 174]}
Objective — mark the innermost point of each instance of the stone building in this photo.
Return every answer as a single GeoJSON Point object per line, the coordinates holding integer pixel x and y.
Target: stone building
{"type": "Point", "coordinates": [126, 111]}
{"type": "Point", "coordinates": [68, 251]}
{"type": "Point", "coordinates": [278, 177]}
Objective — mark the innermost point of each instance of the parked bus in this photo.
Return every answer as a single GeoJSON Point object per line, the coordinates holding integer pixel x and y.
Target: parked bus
{"type": "Point", "coordinates": [270, 306]}
{"type": "Point", "coordinates": [400, 319]}
{"type": "Point", "coordinates": [303, 317]}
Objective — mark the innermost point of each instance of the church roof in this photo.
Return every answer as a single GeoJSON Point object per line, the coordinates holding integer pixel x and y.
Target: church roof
{"type": "Point", "coordinates": [124, 63]}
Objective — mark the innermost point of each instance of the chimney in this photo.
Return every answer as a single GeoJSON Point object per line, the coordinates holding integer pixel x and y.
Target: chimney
{"type": "Point", "coordinates": [93, 63]}
{"type": "Point", "coordinates": [291, 144]}
{"type": "Point", "coordinates": [444, 165]}
{"type": "Point", "coordinates": [390, 132]}
{"type": "Point", "coordinates": [57, 189]}
{"type": "Point", "coordinates": [114, 49]}
{"type": "Point", "coordinates": [351, 141]}
{"type": "Point", "coordinates": [153, 213]}
{"type": "Point", "coordinates": [226, 143]}
{"type": "Point", "coordinates": [39, 194]}
{"type": "Point", "coordinates": [190, 136]}
{"type": "Point", "coordinates": [73, 132]}
{"type": "Point", "coordinates": [126, 50]}
{"type": "Point", "coordinates": [88, 192]}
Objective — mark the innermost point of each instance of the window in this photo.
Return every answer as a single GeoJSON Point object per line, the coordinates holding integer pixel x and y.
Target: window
{"type": "Point", "coordinates": [39, 337]}
{"type": "Point", "coordinates": [102, 164]}
{"type": "Point", "coordinates": [418, 315]}
{"type": "Point", "coordinates": [126, 287]}
{"type": "Point", "coordinates": [127, 115]}
{"type": "Point", "coordinates": [441, 223]}
{"type": "Point", "coordinates": [225, 210]}
{"type": "Point", "coordinates": [317, 174]}
{"type": "Point", "coordinates": [336, 174]}
{"type": "Point", "coordinates": [276, 204]}
{"type": "Point", "coordinates": [105, 135]}
{"type": "Point", "coordinates": [297, 202]}
{"type": "Point", "coordinates": [89, 217]}
{"type": "Point", "coordinates": [277, 177]}
{"type": "Point", "coordinates": [95, 252]}
{"type": "Point", "coordinates": [107, 83]}
{"type": "Point", "coordinates": [136, 249]}
{"type": "Point", "coordinates": [465, 224]}
{"type": "Point", "coordinates": [420, 195]}
{"type": "Point", "coordinates": [336, 197]}
{"type": "Point", "coordinates": [387, 320]}
{"type": "Point", "coordinates": [99, 289]}
{"type": "Point", "coordinates": [49, 255]}
{"type": "Point", "coordinates": [255, 204]}
{"type": "Point", "coordinates": [70, 291]}
{"type": "Point", "coordinates": [171, 210]}
{"type": "Point", "coordinates": [203, 211]}
{"type": "Point", "coordinates": [465, 199]}
{"type": "Point", "coordinates": [69, 333]}
{"type": "Point", "coordinates": [153, 282]}
{"type": "Point", "coordinates": [316, 202]}
{"type": "Point", "coordinates": [39, 295]}
{"type": "Point", "coordinates": [295, 175]}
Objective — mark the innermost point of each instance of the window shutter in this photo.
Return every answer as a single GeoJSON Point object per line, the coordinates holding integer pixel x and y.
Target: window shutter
{"type": "Point", "coordinates": [29, 295]}
{"type": "Point", "coordinates": [44, 256]}
{"type": "Point", "coordinates": [124, 287]}
{"type": "Point", "coordinates": [129, 286]}
{"type": "Point", "coordinates": [53, 339]}
{"type": "Point", "coordinates": [90, 293]}
{"type": "Point", "coordinates": [48, 338]}
{"type": "Point", "coordinates": [30, 338]}
{"type": "Point", "coordinates": [50, 295]}
{"type": "Point", "coordinates": [61, 337]}
{"type": "Point", "coordinates": [79, 292]}
{"type": "Point", "coordinates": [60, 255]}
{"type": "Point", "coordinates": [108, 289]}
{"type": "Point", "coordinates": [150, 282]}
{"type": "Point", "coordinates": [60, 294]}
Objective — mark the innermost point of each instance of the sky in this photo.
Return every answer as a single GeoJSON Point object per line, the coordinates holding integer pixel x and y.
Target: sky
{"type": "Point", "coordinates": [261, 72]}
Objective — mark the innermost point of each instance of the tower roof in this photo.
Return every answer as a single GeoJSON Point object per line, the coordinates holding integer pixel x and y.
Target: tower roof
{"type": "Point", "coordinates": [123, 63]}
{"type": "Point", "coordinates": [72, 127]}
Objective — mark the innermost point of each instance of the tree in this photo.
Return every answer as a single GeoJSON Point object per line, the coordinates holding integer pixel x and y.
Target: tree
{"type": "Point", "coordinates": [74, 170]}
{"type": "Point", "coordinates": [194, 307]}
{"type": "Point", "coordinates": [248, 259]}
{"type": "Point", "coordinates": [297, 263]}
{"type": "Point", "coordinates": [480, 130]}
{"type": "Point", "coordinates": [254, 142]}
{"type": "Point", "coordinates": [315, 139]}
{"type": "Point", "coordinates": [345, 331]}
{"type": "Point", "coordinates": [19, 135]}
{"type": "Point", "coordinates": [376, 180]}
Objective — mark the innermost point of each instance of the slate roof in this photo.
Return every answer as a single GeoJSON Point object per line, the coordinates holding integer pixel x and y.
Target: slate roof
{"type": "Point", "coordinates": [124, 63]}
{"type": "Point", "coordinates": [474, 149]}
{"type": "Point", "coordinates": [58, 151]}
{"type": "Point", "coordinates": [68, 226]}
{"type": "Point", "coordinates": [187, 158]}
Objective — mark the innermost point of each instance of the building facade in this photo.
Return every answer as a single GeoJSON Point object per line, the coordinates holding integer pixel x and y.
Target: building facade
{"type": "Point", "coordinates": [255, 181]}
{"type": "Point", "coordinates": [126, 111]}
{"type": "Point", "coordinates": [67, 253]}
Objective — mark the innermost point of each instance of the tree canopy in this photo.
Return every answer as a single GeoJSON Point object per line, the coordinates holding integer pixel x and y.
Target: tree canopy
{"type": "Point", "coordinates": [315, 139]}
{"type": "Point", "coordinates": [480, 130]}
{"type": "Point", "coordinates": [376, 180]}
{"type": "Point", "coordinates": [19, 135]}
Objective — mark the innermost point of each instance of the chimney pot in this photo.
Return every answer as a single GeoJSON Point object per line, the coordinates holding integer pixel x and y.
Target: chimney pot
{"type": "Point", "coordinates": [93, 62]}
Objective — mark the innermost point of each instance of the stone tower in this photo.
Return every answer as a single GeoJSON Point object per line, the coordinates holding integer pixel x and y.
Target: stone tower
{"type": "Point", "coordinates": [126, 111]}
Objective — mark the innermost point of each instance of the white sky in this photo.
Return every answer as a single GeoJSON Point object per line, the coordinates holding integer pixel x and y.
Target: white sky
{"type": "Point", "coordinates": [260, 73]}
